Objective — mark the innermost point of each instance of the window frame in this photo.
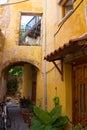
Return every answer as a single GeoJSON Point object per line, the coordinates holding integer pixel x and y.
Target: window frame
{"type": "Point", "coordinates": [64, 6]}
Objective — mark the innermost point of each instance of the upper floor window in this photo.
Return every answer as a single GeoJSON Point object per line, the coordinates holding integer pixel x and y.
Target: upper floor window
{"type": "Point", "coordinates": [66, 6]}
{"type": "Point", "coordinates": [30, 30]}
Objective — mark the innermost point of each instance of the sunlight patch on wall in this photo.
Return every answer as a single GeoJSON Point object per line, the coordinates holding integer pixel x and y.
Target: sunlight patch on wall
{"type": "Point", "coordinates": [3, 1]}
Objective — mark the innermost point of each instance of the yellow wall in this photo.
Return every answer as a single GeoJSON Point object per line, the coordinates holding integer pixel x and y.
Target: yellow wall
{"type": "Point", "coordinates": [10, 25]}
{"type": "Point", "coordinates": [27, 81]}
{"type": "Point", "coordinates": [2, 78]}
{"type": "Point", "coordinates": [74, 27]}
{"type": "Point", "coordinates": [10, 17]}
{"type": "Point", "coordinates": [2, 42]}
{"type": "Point", "coordinates": [40, 89]}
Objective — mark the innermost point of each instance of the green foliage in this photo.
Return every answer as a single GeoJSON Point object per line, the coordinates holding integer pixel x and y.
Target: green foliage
{"type": "Point", "coordinates": [12, 85]}
{"type": "Point", "coordinates": [16, 71]}
{"type": "Point", "coordinates": [14, 77]}
{"type": "Point", "coordinates": [56, 100]}
{"type": "Point", "coordinates": [60, 121]}
{"type": "Point", "coordinates": [78, 127]}
{"type": "Point", "coordinates": [42, 115]}
{"type": "Point", "coordinates": [25, 102]}
{"type": "Point", "coordinates": [31, 107]}
{"type": "Point", "coordinates": [45, 120]}
{"type": "Point", "coordinates": [56, 112]}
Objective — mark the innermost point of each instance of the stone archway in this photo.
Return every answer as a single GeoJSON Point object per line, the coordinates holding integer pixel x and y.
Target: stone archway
{"type": "Point", "coordinates": [18, 61]}
{"type": "Point", "coordinates": [15, 62]}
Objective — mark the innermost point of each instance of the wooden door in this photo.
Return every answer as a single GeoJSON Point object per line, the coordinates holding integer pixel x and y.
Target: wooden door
{"type": "Point", "coordinates": [34, 92]}
{"type": "Point", "coordinates": [80, 94]}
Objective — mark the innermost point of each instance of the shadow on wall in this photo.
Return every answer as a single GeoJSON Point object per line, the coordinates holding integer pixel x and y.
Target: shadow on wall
{"type": "Point", "coordinates": [2, 42]}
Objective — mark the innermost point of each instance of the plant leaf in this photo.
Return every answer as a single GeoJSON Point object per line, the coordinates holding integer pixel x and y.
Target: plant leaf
{"type": "Point", "coordinates": [36, 124]}
{"type": "Point", "coordinates": [48, 127]}
{"type": "Point", "coordinates": [42, 115]}
{"type": "Point", "coordinates": [55, 113]}
{"type": "Point", "coordinates": [61, 121]}
{"type": "Point", "coordinates": [34, 127]}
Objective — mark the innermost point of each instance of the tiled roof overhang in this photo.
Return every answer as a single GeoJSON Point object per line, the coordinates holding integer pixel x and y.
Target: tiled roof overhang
{"type": "Point", "coordinates": [73, 46]}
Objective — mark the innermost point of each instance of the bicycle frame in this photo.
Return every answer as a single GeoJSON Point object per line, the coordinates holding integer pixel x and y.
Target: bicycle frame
{"type": "Point", "coordinates": [4, 115]}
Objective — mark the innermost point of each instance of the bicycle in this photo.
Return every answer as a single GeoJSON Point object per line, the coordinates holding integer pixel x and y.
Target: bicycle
{"type": "Point", "coordinates": [5, 121]}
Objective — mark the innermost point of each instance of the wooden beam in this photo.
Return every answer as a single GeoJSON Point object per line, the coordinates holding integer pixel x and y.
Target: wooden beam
{"type": "Point", "coordinates": [60, 70]}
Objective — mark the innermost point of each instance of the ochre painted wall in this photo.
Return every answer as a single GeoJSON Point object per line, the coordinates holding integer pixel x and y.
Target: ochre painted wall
{"type": "Point", "coordinates": [10, 24]}
{"type": "Point", "coordinates": [2, 77]}
{"type": "Point", "coordinates": [74, 27]}
{"type": "Point", "coordinates": [12, 53]}
{"type": "Point", "coordinates": [2, 42]}
{"type": "Point", "coordinates": [27, 81]}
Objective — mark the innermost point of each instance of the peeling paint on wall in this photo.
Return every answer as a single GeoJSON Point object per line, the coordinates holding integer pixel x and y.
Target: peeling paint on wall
{"type": "Point", "coordinates": [5, 18]}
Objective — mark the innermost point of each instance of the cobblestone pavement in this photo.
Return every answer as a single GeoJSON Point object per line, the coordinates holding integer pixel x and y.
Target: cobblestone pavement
{"type": "Point", "coordinates": [17, 122]}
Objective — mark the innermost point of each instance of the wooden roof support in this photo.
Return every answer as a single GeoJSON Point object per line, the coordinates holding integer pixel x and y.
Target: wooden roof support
{"type": "Point", "coordinates": [60, 70]}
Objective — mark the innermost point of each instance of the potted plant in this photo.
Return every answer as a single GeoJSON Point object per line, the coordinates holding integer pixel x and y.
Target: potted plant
{"type": "Point", "coordinates": [24, 102]}
{"type": "Point", "coordinates": [44, 120]}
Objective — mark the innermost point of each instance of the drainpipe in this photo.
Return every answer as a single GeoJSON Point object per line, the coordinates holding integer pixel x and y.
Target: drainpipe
{"type": "Point", "coordinates": [44, 47]}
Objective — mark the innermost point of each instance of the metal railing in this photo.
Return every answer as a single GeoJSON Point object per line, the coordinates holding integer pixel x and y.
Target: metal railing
{"type": "Point", "coordinates": [32, 22]}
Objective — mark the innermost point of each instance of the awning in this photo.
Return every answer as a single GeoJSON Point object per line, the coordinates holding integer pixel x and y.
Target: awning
{"type": "Point", "coordinates": [74, 46]}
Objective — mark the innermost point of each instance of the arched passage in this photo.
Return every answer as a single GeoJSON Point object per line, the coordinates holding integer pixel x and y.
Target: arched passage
{"type": "Point", "coordinates": [29, 76]}
{"type": "Point", "coordinates": [19, 61]}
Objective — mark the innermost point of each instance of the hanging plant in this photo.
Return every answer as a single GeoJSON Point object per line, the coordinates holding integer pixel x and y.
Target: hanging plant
{"type": "Point", "coordinates": [56, 100]}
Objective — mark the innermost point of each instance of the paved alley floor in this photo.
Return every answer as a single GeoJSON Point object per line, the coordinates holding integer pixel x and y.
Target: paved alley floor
{"type": "Point", "coordinates": [17, 122]}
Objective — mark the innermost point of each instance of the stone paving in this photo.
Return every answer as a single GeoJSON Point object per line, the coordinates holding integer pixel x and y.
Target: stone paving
{"type": "Point", "coordinates": [17, 122]}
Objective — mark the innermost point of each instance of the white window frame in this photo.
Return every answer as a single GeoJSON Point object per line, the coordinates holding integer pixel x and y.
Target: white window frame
{"type": "Point", "coordinates": [66, 6]}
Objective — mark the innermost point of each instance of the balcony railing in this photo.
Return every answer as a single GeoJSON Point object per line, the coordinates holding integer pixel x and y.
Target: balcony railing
{"type": "Point", "coordinates": [30, 35]}
{"type": "Point", "coordinates": [32, 22]}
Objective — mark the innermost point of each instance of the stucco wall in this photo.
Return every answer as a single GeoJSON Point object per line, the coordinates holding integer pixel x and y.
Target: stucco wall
{"type": "Point", "coordinates": [27, 81]}
{"type": "Point", "coordinates": [12, 53]}
{"type": "Point", "coordinates": [74, 27]}
{"type": "Point", "coordinates": [2, 42]}
{"type": "Point", "coordinates": [2, 79]}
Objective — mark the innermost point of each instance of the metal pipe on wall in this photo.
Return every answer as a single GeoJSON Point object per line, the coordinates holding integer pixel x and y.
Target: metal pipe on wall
{"type": "Point", "coordinates": [44, 47]}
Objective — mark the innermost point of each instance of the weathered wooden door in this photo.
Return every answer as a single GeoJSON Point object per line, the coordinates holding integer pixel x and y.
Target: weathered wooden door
{"type": "Point", "coordinates": [80, 93]}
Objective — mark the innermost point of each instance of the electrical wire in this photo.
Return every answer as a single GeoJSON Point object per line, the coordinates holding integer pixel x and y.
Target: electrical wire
{"type": "Point", "coordinates": [13, 3]}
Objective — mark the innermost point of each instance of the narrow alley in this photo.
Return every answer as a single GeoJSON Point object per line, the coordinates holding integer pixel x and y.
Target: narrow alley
{"type": "Point", "coordinates": [17, 122]}
{"type": "Point", "coordinates": [43, 64]}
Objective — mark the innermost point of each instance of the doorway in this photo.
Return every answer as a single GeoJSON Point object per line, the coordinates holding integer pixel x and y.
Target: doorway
{"type": "Point", "coordinates": [79, 93]}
